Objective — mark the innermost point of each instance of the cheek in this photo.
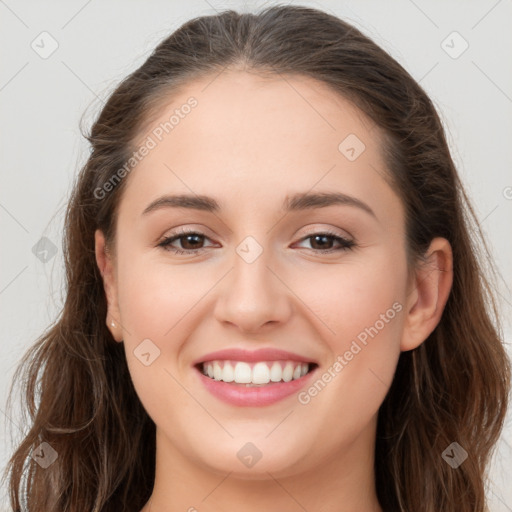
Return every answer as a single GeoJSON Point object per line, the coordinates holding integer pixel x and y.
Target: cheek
{"type": "Point", "coordinates": [154, 297]}
{"type": "Point", "coordinates": [356, 298]}
{"type": "Point", "coordinates": [361, 309]}
{"type": "Point", "coordinates": [156, 303]}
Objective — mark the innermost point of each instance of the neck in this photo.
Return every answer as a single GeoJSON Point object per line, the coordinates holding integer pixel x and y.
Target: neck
{"type": "Point", "coordinates": [344, 482]}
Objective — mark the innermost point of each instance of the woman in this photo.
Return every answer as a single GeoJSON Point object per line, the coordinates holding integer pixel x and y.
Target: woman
{"type": "Point", "coordinates": [274, 300]}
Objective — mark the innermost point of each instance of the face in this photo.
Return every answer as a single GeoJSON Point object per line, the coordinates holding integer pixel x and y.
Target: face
{"type": "Point", "coordinates": [279, 281]}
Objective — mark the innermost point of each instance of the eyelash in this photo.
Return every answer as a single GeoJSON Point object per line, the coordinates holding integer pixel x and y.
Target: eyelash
{"type": "Point", "coordinates": [166, 242]}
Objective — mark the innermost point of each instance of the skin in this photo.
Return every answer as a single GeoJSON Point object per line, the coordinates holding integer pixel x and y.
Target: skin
{"type": "Point", "coordinates": [249, 142]}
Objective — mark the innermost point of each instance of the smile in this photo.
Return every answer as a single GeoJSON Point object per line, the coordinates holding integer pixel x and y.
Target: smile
{"type": "Point", "coordinates": [256, 378]}
{"type": "Point", "coordinates": [254, 373]}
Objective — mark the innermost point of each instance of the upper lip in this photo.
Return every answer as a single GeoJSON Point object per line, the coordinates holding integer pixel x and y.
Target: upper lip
{"type": "Point", "coordinates": [262, 354]}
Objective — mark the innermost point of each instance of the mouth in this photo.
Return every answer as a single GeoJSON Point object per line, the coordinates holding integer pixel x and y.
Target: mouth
{"type": "Point", "coordinates": [254, 378]}
{"type": "Point", "coordinates": [255, 373]}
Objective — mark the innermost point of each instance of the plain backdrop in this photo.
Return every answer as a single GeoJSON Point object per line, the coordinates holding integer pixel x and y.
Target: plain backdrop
{"type": "Point", "coordinates": [468, 75]}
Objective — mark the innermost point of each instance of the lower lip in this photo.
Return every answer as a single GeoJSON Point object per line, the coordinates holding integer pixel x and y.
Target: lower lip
{"type": "Point", "coordinates": [253, 396]}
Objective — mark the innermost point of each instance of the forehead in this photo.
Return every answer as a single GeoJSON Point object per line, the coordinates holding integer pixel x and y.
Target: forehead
{"type": "Point", "coordinates": [250, 136]}
{"type": "Point", "coordinates": [282, 111]}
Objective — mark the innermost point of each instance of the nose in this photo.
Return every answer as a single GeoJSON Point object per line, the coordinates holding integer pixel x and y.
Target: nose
{"type": "Point", "coordinates": [253, 296]}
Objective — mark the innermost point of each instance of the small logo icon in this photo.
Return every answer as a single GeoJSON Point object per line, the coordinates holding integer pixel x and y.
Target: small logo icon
{"type": "Point", "coordinates": [44, 455]}
{"type": "Point", "coordinates": [146, 352]}
{"type": "Point", "coordinates": [249, 455]}
{"type": "Point", "coordinates": [249, 249]}
{"type": "Point", "coordinates": [44, 249]}
{"type": "Point", "coordinates": [455, 455]}
{"type": "Point", "coordinates": [351, 147]}
{"type": "Point", "coordinates": [44, 45]}
{"type": "Point", "coordinates": [454, 45]}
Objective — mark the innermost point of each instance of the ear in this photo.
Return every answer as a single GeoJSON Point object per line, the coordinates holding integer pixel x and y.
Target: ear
{"type": "Point", "coordinates": [105, 263]}
{"type": "Point", "coordinates": [428, 293]}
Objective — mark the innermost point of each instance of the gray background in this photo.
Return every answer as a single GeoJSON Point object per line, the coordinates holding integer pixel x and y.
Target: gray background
{"type": "Point", "coordinates": [43, 99]}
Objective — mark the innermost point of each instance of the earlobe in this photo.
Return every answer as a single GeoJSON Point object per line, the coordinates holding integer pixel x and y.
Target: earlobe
{"type": "Point", "coordinates": [428, 294]}
{"type": "Point", "coordinates": [106, 268]}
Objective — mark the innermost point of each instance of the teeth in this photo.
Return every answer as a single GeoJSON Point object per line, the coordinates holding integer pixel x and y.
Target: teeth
{"type": "Point", "coordinates": [276, 372]}
{"type": "Point", "coordinates": [243, 373]}
{"type": "Point", "coordinates": [228, 374]}
{"type": "Point", "coordinates": [217, 371]}
{"type": "Point", "coordinates": [259, 373]}
{"type": "Point", "coordinates": [288, 372]}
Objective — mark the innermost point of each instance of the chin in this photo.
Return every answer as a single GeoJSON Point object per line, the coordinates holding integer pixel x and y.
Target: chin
{"type": "Point", "coordinates": [248, 460]}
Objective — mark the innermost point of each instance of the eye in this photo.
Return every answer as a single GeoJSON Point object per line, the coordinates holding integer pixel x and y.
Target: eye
{"type": "Point", "coordinates": [189, 240]}
{"type": "Point", "coordinates": [327, 238]}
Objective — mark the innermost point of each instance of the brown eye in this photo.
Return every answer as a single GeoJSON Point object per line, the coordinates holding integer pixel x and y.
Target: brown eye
{"type": "Point", "coordinates": [190, 242]}
{"type": "Point", "coordinates": [323, 242]}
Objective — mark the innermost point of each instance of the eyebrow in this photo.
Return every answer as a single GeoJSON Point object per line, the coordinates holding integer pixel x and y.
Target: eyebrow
{"type": "Point", "coordinates": [295, 202]}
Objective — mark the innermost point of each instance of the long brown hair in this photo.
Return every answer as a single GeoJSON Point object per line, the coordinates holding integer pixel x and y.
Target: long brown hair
{"type": "Point", "coordinates": [452, 388]}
